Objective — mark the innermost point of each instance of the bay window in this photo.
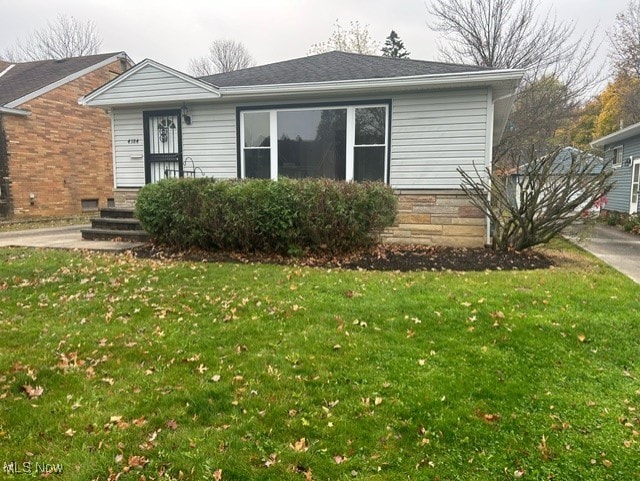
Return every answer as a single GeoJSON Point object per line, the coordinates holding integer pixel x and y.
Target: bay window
{"type": "Point", "coordinates": [336, 142]}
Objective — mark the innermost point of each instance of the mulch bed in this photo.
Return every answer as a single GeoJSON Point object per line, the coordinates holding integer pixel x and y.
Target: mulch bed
{"type": "Point", "coordinates": [381, 258]}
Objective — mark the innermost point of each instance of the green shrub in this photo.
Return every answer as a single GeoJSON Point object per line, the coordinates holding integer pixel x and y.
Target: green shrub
{"type": "Point", "coordinates": [613, 218]}
{"type": "Point", "coordinates": [632, 224]}
{"type": "Point", "coordinates": [285, 217]}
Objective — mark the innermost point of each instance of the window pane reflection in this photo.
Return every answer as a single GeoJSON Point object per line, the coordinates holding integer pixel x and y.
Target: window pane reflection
{"type": "Point", "coordinates": [370, 125]}
{"type": "Point", "coordinates": [312, 143]}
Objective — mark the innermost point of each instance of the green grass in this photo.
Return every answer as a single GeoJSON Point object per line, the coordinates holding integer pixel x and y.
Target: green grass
{"type": "Point", "coordinates": [173, 370]}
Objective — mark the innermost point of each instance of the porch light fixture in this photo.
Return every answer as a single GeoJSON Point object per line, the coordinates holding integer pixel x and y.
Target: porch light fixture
{"type": "Point", "coordinates": [185, 114]}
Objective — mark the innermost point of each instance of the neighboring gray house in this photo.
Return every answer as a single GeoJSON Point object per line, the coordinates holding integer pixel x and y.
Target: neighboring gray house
{"type": "Point", "coordinates": [561, 165]}
{"type": "Point", "coordinates": [408, 123]}
{"type": "Point", "coordinates": [622, 150]}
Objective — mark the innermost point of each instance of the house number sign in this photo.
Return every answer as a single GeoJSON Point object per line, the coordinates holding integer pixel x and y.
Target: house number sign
{"type": "Point", "coordinates": [133, 141]}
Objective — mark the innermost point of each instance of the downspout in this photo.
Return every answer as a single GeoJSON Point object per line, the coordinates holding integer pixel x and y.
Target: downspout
{"type": "Point", "coordinates": [489, 155]}
{"type": "Point", "coordinates": [491, 103]}
{"type": "Point", "coordinates": [5, 194]}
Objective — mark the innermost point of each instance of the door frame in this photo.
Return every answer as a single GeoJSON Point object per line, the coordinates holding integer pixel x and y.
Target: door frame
{"type": "Point", "coordinates": [633, 208]}
{"type": "Point", "coordinates": [147, 141]}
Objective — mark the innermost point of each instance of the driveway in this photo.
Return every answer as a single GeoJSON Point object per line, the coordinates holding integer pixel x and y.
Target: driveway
{"type": "Point", "coordinates": [617, 248]}
{"type": "Point", "coordinates": [68, 237]}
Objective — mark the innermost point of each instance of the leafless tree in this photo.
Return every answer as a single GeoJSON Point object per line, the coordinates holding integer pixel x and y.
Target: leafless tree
{"type": "Point", "coordinates": [355, 39]}
{"type": "Point", "coordinates": [511, 34]}
{"type": "Point", "coordinates": [224, 56]}
{"type": "Point", "coordinates": [62, 38]}
{"type": "Point", "coordinates": [530, 205]}
{"type": "Point", "coordinates": [625, 40]}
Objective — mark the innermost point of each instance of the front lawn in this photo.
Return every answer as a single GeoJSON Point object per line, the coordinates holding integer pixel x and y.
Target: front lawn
{"type": "Point", "coordinates": [113, 367]}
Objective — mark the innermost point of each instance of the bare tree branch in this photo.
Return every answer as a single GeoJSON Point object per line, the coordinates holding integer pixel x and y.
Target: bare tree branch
{"type": "Point", "coordinates": [531, 204]}
{"type": "Point", "coordinates": [625, 40]}
{"type": "Point", "coordinates": [224, 56]}
{"type": "Point", "coordinates": [355, 39]}
{"type": "Point", "coordinates": [63, 38]}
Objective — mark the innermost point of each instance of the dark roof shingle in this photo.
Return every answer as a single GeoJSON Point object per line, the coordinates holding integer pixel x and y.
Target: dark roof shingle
{"type": "Point", "coordinates": [334, 66]}
{"type": "Point", "coordinates": [27, 77]}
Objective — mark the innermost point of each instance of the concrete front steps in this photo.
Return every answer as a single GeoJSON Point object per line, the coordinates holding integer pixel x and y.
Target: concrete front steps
{"type": "Point", "coordinates": [116, 224]}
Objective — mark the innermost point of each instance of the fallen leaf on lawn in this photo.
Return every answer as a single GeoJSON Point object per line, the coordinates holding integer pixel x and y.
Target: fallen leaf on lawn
{"type": "Point", "coordinates": [202, 368]}
{"type": "Point", "coordinates": [607, 463]}
{"type": "Point", "coordinates": [582, 337]}
{"type": "Point", "coordinates": [217, 475]}
{"type": "Point", "coordinates": [338, 459]}
{"type": "Point", "coordinates": [215, 378]}
{"type": "Point", "coordinates": [300, 445]}
{"type": "Point", "coordinates": [69, 432]}
{"type": "Point", "coordinates": [137, 461]}
{"type": "Point", "coordinates": [273, 459]}
{"type": "Point", "coordinates": [33, 392]}
{"type": "Point", "coordinates": [377, 401]}
{"type": "Point", "coordinates": [172, 424]}
{"type": "Point", "coordinates": [141, 421]}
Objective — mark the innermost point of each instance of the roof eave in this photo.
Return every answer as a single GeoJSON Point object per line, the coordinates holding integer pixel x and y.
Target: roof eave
{"type": "Point", "coordinates": [11, 111]}
{"type": "Point", "coordinates": [159, 100]}
{"type": "Point", "coordinates": [447, 80]}
{"type": "Point", "coordinates": [617, 136]}
{"type": "Point", "coordinates": [64, 80]}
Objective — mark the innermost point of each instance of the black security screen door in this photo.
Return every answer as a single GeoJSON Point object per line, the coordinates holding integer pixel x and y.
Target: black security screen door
{"type": "Point", "coordinates": [162, 145]}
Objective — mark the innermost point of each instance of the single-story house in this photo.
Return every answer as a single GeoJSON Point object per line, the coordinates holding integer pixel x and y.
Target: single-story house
{"type": "Point", "coordinates": [622, 150]}
{"type": "Point", "coordinates": [347, 116]}
{"type": "Point", "coordinates": [55, 155]}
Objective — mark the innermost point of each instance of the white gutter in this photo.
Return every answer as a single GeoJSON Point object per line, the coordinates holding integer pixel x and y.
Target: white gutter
{"type": "Point", "coordinates": [9, 111]}
{"type": "Point", "coordinates": [617, 136]}
{"type": "Point", "coordinates": [7, 69]}
{"type": "Point", "coordinates": [448, 80]}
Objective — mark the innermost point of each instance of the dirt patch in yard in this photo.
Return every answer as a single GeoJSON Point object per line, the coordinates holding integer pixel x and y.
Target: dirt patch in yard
{"type": "Point", "coordinates": [381, 258]}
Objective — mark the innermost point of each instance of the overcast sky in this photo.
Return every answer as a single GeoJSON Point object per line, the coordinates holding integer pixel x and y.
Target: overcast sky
{"type": "Point", "coordinates": [172, 32]}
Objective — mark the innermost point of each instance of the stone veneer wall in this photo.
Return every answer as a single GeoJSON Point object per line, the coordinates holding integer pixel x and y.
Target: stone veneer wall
{"type": "Point", "coordinates": [125, 198]}
{"type": "Point", "coordinates": [445, 218]}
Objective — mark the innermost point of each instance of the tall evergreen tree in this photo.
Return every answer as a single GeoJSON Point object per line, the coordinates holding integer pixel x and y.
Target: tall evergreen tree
{"type": "Point", "coordinates": [394, 47]}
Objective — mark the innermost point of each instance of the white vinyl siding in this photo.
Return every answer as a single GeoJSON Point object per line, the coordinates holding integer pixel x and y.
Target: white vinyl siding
{"type": "Point", "coordinates": [208, 144]}
{"type": "Point", "coordinates": [128, 147]}
{"type": "Point", "coordinates": [151, 84]}
{"type": "Point", "coordinates": [210, 141]}
{"type": "Point", "coordinates": [434, 133]}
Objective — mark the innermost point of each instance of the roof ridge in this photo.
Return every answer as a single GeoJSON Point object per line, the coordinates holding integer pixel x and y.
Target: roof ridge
{"type": "Point", "coordinates": [415, 60]}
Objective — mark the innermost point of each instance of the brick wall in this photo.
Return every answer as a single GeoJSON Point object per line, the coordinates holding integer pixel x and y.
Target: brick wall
{"type": "Point", "coordinates": [61, 153]}
{"type": "Point", "coordinates": [444, 218]}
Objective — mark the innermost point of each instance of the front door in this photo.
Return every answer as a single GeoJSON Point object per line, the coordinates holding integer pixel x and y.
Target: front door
{"type": "Point", "coordinates": [162, 145]}
{"type": "Point", "coordinates": [635, 182]}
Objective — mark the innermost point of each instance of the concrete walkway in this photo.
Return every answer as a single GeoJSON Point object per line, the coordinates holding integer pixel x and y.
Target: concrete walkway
{"type": "Point", "coordinates": [68, 237]}
{"type": "Point", "coordinates": [617, 248]}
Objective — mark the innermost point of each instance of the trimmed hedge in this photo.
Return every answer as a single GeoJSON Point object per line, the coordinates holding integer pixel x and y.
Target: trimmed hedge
{"type": "Point", "coordinates": [284, 217]}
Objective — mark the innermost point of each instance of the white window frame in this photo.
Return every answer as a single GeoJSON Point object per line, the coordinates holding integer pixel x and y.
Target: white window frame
{"type": "Point", "coordinates": [350, 135]}
{"type": "Point", "coordinates": [618, 152]}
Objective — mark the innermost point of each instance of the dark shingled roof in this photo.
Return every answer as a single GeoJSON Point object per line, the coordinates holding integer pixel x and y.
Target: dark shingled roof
{"type": "Point", "coordinates": [333, 66]}
{"type": "Point", "coordinates": [27, 77]}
